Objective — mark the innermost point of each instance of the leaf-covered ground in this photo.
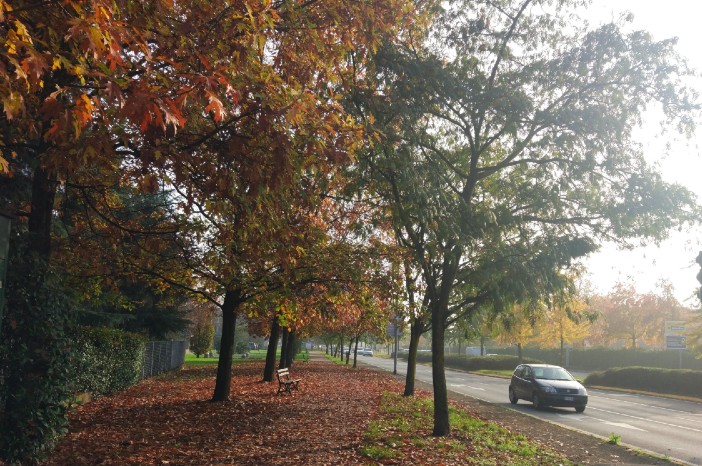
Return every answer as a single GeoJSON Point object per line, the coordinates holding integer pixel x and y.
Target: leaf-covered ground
{"type": "Point", "coordinates": [170, 420]}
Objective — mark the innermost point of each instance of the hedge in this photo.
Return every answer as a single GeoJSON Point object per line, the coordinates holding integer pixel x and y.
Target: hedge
{"type": "Point", "coordinates": [108, 360]}
{"type": "Point", "coordinates": [670, 381]}
{"type": "Point", "coordinates": [475, 363]}
{"type": "Point", "coordinates": [598, 359]}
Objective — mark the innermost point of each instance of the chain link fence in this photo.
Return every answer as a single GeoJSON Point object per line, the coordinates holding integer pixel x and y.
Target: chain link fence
{"type": "Point", "coordinates": [163, 356]}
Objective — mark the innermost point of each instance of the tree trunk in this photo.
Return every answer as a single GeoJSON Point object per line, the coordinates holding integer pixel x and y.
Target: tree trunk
{"type": "Point", "coordinates": [290, 350]}
{"type": "Point", "coordinates": [520, 358]}
{"type": "Point", "coordinates": [232, 301]}
{"type": "Point", "coordinates": [43, 197]}
{"type": "Point", "coordinates": [348, 352]}
{"type": "Point", "coordinates": [441, 413]}
{"type": "Point", "coordinates": [439, 312]}
{"type": "Point", "coordinates": [482, 345]}
{"type": "Point", "coordinates": [355, 351]}
{"type": "Point", "coordinates": [284, 349]}
{"type": "Point", "coordinates": [340, 348]}
{"type": "Point", "coordinates": [560, 360]}
{"type": "Point", "coordinates": [269, 370]}
{"type": "Point", "coordinates": [416, 330]}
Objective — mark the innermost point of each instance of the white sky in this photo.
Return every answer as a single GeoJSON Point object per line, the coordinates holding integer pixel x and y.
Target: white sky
{"type": "Point", "coordinates": [674, 260]}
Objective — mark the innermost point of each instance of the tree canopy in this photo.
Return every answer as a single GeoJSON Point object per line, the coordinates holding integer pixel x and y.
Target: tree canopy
{"type": "Point", "coordinates": [507, 151]}
{"type": "Point", "coordinates": [283, 158]}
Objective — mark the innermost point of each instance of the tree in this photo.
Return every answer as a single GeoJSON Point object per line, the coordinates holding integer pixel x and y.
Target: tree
{"type": "Point", "coordinates": [203, 329]}
{"type": "Point", "coordinates": [507, 152]}
{"type": "Point", "coordinates": [565, 322]}
{"type": "Point", "coordinates": [66, 68]}
{"type": "Point", "coordinates": [629, 317]}
{"type": "Point", "coordinates": [244, 125]}
{"type": "Point", "coordinates": [419, 319]}
{"type": "Point", "coordinates": [515, 326]}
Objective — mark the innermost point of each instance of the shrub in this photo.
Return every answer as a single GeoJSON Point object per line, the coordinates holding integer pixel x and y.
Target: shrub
{"type": "Point", "coordinates": [475, 363]}
{"type": "Point", "coordinates": [108, 360]}
{"type": "Point", "coordinates": [598, 359]}
{"type": "Point", "coordinates": [35, 356]}
{"type": "Point", "coordinates": [671, 381]}
{"type": "Point", "coordinates": [202, 338]}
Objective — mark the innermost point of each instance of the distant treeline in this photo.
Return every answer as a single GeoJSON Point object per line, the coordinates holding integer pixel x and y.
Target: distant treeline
{"type": "Point", "coordinates": [598, 359]}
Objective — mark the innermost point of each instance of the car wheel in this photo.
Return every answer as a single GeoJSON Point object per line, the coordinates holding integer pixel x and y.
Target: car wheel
{"type": "Point", "coordinates": [512, 396]}
{"type": "Point", "coordinates": [536, 401]}
{"type": "Point", "coordinates": [579, 409]}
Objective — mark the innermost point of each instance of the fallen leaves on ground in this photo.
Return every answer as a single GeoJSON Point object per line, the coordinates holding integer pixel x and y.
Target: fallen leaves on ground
{"type": "Point", "coordinates": [170, 420]}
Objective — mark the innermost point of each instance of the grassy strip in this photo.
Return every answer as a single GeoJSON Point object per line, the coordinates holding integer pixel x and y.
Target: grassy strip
{"type": "Point", "coordinates": [506, 374]}
{"type": "Point", "coordinates": [401, 434]}
{"type": "Point", "coordinates": [496, 373]}
{"type": "Point", "coordinates": [253, 355]}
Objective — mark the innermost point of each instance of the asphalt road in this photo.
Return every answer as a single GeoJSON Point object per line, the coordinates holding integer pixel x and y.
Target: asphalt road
{"type": "Point", "coordinates": [665, 427]}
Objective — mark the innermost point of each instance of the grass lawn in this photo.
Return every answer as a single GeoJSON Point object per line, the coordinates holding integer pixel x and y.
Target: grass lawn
{"type": "Point", "coordinates": [401, 435]}
{"type": "Point", "coordinates": [252, 355]}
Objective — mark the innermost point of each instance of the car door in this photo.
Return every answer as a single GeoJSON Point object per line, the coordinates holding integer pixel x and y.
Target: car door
{"type": "Point", "coordinates": [524, 390]}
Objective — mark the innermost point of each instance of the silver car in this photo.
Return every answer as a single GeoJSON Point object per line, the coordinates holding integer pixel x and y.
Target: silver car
{"type": "Point", "coordinates": [547, 385]}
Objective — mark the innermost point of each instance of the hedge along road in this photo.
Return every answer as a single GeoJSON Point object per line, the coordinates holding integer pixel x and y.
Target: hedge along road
{"type": "Point", "coordinates": [665, 427]}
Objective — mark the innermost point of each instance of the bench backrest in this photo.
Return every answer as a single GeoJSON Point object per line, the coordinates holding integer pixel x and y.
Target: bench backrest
{"type": "Point", "coordinates": [284, 374]}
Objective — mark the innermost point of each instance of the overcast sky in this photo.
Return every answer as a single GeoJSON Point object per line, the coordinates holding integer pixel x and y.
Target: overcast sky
{"type": "Point", "coordinates": [674, 260]}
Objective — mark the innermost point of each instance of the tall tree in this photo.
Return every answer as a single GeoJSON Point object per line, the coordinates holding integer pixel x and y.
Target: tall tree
{"type": "Point", "coordinates": [565, 322]}
{"type": "Point", "coordinates": [229, 103]}
{"type": "Point", "coordinates": [629, 317]}
{"type": "Point", "coordinates": [507, 152]}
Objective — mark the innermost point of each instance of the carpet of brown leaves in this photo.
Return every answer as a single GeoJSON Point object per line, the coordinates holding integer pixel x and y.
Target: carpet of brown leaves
{"type": "Point", "coordinates": [170, 420]}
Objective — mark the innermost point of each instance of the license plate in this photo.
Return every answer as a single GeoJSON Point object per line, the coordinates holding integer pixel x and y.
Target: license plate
{"type": "Point", "coordinates": [568, 398]}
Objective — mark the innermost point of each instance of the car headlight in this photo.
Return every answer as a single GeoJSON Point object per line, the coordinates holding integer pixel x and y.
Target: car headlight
{"type": "Point", "coordinates": [548, 389]}
{"type": "Point", "coordinates": [583, 391]}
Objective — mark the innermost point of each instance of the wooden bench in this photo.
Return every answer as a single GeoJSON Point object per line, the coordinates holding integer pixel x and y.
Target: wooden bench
{"type": "Point", "coordinates": [285, 383]}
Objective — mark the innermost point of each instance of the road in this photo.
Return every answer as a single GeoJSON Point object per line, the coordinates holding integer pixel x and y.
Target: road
{"type": "Point", "coordinates": [666, 427]}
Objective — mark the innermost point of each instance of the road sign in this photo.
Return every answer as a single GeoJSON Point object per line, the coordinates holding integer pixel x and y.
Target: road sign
{"type": "Point", "coordinates": [674, 342]}
{"type": "Point", "coordinates": [674, 334]}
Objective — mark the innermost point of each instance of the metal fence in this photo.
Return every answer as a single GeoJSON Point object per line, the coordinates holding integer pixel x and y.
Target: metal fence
{"type": "Point", "coordinates": [163, 356]}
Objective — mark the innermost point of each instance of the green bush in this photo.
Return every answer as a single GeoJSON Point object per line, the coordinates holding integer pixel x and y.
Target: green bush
{"type": "Point", "coordinates": [598, 359]}
{"type": "Point", "coordinates": [35, 362]}
{"type": "Point", "coordinates": [202, 338]}
{"type": "Point", "coordinates": [241, 348]}
{"type": "Point", "coordinates": [475, 363]}
{"type": "Point", "coordinates": [108, 360]}
{"type": "Point", "coordinates": [670, 381]}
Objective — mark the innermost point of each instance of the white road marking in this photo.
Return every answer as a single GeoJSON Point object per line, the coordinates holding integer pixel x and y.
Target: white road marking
{"type": "Point", "coordinates": [646, 420]}
{"type": "Point", "coordinates": [624, 426]}
{"type": "Point", "coordinates": [618, 399]}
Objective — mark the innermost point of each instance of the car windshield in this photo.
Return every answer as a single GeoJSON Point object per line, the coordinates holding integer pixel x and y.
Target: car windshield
{"type": "Point", "coordinates": [552, 373]}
